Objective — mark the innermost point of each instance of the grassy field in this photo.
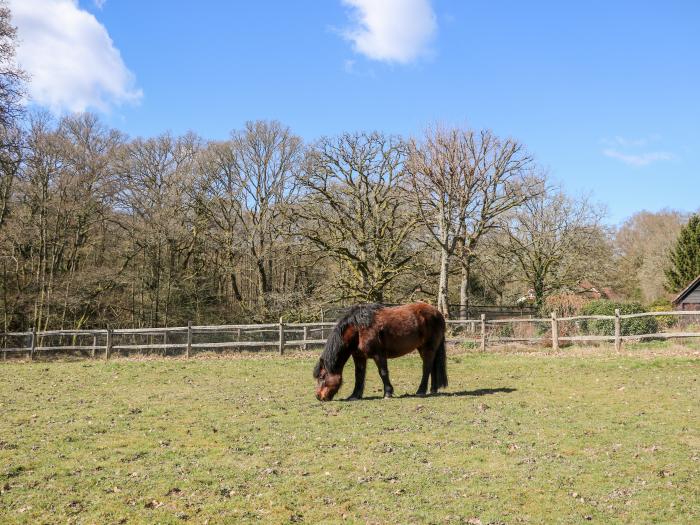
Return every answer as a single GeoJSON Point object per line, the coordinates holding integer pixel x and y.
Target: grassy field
{"type": "Point", "coordinates": [515, 439]}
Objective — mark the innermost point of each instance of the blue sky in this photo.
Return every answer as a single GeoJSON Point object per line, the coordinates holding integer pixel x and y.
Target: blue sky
{"type": "Point", "coordinates": [606, 95]}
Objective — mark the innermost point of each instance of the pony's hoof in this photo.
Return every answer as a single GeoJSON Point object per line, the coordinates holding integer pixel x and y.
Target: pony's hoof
{"type": "Point", "coordinates": [353, 398]}
{"type": "Point", "coordinates": [388, 396]}
{"type": "Point", "coordinates": [420, 394]}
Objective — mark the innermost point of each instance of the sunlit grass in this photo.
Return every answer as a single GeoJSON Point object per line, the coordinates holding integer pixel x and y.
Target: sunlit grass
{"type": "Point", "coordinates": [520, 439]}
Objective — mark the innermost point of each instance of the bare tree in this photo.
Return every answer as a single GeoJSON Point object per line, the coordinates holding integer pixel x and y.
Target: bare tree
{"type": "Point", "coordinates": [12, 89]}
{"type": "Point", "coordinates": [250, 180]}
{"type": "Point", "coordinates": [12, 77]}
{"type": "Point", "coordinates": [356, 211]}
{"type": "Point", "coordinates": [65, 197]}
{"type": "Point", "coordinates": [154, 203]}
{"type": "Point", "coordinates": [464, 181]}
{"type": "Point", "coordinates": [219, 193]}
{"type": "Point", "coordinates": [40, 222]}
{"type": "Point", "coordinates": [555, 242]}
{"type": "Point", "coordinates": [87, 190]}
{"type": "Point", "coordinates": [11, 156]}
{"type": "Point", "coordinates": [643, 243]}
{"type": "Point", "coordinates": [441, 179]}
{"type": "Point", "coordinates": [496, 271]}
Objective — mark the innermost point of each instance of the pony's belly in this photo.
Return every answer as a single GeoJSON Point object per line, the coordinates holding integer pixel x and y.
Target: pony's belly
{"type": "Point", "coordinates": [392, 346]}
{"type": "Point", "coordinates": [400, 347]}
{"type": "Point", "coordinates": [391, 353]}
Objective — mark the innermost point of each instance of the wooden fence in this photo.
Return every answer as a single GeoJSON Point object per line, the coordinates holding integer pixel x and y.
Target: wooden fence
{"type": "Point", "coordinates": [178, 338]}
{"type": "Point", "coordinates": [552, 334]}
{"type": "Point", "coordinates": [479, 332]}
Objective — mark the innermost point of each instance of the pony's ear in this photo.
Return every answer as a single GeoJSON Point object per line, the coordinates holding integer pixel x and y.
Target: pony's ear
{"type": "Point", "coordinates": [317, 368]}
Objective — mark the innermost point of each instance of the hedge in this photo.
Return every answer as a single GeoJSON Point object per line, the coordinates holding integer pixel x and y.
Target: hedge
{"type": "Point", "coordinates": [635, 326]}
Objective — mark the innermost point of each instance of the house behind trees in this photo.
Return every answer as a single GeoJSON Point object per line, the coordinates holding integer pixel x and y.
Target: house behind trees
{"type": "Point", "coordinates": [689, 298]}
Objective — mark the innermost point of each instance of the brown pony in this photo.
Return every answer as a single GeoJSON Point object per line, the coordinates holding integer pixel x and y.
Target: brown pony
{"type": "Point", "coordinates": [380, 333]}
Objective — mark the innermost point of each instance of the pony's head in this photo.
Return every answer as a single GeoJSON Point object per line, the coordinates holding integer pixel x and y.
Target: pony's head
{"type": "Point", "coordinates": [339, 345]}
{"type": "Point", "coordinates": [327, 383]}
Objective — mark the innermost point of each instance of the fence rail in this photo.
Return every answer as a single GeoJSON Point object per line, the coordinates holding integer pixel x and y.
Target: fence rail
{"type": "Point", "coordinates": [555, 333]}
{"type": "Point", "coordinates": [555, 330]}
{"type": "Point", "coordinates": [107, 341]}
{"type": "Point", "coordinates": [479, 332]}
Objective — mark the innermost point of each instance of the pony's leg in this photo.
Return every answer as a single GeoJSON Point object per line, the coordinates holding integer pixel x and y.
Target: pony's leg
{"type": "Point", "coordinates": [433, 384]}
{"type": "Point", "coordinates": [360, 373]}
{"type": "Point", "coordinates": [433, 376]}
{"type": "Point", "coordinates": [427, 357]}
{"type": "Point", "coordinates": [380, 359]}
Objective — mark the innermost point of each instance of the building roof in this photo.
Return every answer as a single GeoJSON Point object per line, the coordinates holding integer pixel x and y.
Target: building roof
{"type": "Point", "coordinates": [688, 289]}
{"type": "Point", "coordinates": [591, 291]}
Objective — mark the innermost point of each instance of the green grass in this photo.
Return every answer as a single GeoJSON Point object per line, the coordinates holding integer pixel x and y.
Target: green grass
{"type": "Point", "coordinates": [522, 439]}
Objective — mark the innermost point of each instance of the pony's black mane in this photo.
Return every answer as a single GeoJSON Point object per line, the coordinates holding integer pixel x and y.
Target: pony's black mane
{"type": "Point", "coordinates": [361, 315]}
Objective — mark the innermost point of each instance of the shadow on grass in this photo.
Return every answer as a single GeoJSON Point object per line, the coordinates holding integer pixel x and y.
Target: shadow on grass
{"type": "Point", "coordinates": [475, 393]}
{"type": "Point", "coordinates": [464, 393]}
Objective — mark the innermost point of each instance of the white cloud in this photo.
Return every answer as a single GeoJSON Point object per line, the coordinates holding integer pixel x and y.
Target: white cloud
{"type": "Point", "coordinates": [637, 159]}
{"type": "Point", "coordinates": [70, 57]}
{"type": "Point", "coordinates": [99, 4]}
{"type": "Point", "coordinates": [631, 143]}
{"type": "Point", "coordinates": [634, 151]}
{"type": "Point", "coordinates": [391, 30]}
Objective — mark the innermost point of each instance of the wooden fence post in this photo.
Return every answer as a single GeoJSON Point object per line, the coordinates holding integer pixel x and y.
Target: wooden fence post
{"type": "Point", "coordinates": [281, 331]}
{"type": "Point", "coordinates": [94, 345]}
{"type": "Point", "coordinates": [306, 336]}
{"type": "Point", "coordinates": [618, 340]}
{"type": "Point", "coordinates": [165, 342]}
{"type": "Point", "coordinates": [108, 347]}
{"type": "Point", "coordinates": [555, 332]}
{"type": "Point", "coordinates": [483, 332]}
{"type": "Point", "coordinates": [189, 339]}
{"type": "Point", "coordinates": [32, 343]}
{"type": "Point", "coordinates": [323, 331]}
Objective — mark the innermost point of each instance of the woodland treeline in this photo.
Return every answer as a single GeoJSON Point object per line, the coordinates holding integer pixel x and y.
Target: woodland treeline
{"type": "Point", "coordinates": [100, 229]}
{"type": "Point", "coordinates": [97, 228]}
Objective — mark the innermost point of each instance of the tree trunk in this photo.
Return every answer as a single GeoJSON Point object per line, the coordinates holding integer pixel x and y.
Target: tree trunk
{"type": "Point", "coordinates": [4, 297]}
{"type": "Point", "coordinates": [376, 296]}
{"type": "Point", "coordinates": [262, 283]}
{"type": "Point", "coordinates": [5, 194]}
{"type": "Point", "coordinates": [234, 286]}
{"type": "Point", "coordinates": [233, 281]}
{"type": "Point", "coordinates": [443, 302]}
{"type": "Point", "coordinates": [465, 283]}
{"type": "Point", "coordinates": [464, 290]}
{"type": "Point", "coordinates": [539, 289]}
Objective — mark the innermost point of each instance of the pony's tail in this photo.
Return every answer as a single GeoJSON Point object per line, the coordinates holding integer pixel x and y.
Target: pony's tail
{"type": "Point", "coordinates": [440, 364]}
